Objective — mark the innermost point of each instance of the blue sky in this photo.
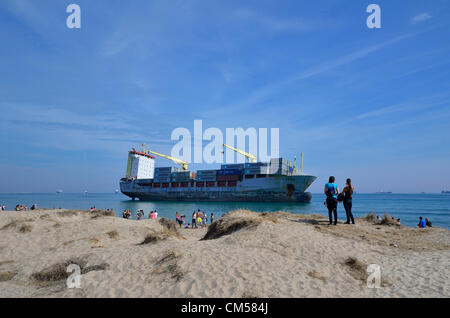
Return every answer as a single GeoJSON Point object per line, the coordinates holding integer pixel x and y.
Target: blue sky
{"type": "Point", "coordinates": [371, 104]}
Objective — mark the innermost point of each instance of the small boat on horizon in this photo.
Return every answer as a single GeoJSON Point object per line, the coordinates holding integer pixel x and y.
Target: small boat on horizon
{"type": "Point", "coordinates": [445, 192]}
{"type": "Point", "coordinates": [59, 191]}
{"type": "Point", "coordinates": [384, 192]}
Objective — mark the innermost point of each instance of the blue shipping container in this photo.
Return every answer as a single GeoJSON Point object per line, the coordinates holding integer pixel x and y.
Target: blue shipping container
{"type": "Point", "coordinates": [229, 172]}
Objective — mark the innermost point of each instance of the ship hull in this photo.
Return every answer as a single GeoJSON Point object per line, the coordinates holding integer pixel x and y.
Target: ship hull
{"type": "Point", "coordinates": [268, 189]}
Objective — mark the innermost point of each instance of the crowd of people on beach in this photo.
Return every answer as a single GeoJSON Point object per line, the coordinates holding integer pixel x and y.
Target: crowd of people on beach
{"type": "Point", "coordinates": [126, 214]}
{"type": "Point", "coordinates": [334, 196]}
{"type": "Point", "coordinates": [20, 207]}
{"type": "Point", "coordinates": [199, 220]}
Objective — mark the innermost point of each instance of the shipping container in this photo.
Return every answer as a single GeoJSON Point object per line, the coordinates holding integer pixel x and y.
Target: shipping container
{"type": "Point", "coordinates": [228, 172]}
{"type": "Point", "coordinates": [232, 183]}
{"type": "Point", "coordinates": [183, 174]}
{"type": "Point", "coordinates": [175, 184]}
{"type": "Point", "coordinates": [163, 180]}
{"type": "Point", "coordinates": [203, 178]}
{"type": "Point", "coordinates": [156, 185]}
{"type": "Point", "coordinates": [206, 172]}
{"type": "Point", "coordinates": [233, 166]}
{"type": "Point", "coordinates": [229, 178]}
{"type": "Point", "coordinates": [256, 164]}
{"type": "Point", "coordinates": [257, 170]}
{"type": "Point", "coordinates": [157, 175]}
{"type": "Point", "coordinates": [210, 184]}
{"type": "Point", "coordinates": [221, 183]}
{"type": "Point", "coordinates": [166, 169]}
{"type": "Point", "coordinates": [200, 184]}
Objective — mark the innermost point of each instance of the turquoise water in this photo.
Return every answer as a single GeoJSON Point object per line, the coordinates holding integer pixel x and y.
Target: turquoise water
{"type": "Point", "coordinates": [407, 207]}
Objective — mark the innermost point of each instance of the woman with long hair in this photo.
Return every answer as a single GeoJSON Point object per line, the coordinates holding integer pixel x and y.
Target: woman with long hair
{"type": "Point", "coordinates": [348, 196]}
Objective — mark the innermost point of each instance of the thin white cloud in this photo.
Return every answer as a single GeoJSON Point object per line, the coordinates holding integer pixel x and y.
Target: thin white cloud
{"type": "Point", "coordinates": [39, 18]}
{"type": "Point", "coordinates": [274, 24]}
{"type": "Point", "coordinates": [273, 88]}
{"type": "Point", "coordinates": [420, 18]}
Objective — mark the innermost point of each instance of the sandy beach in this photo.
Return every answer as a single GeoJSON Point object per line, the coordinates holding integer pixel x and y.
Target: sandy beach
{"type": "Point", "coordinates": [244, 254]}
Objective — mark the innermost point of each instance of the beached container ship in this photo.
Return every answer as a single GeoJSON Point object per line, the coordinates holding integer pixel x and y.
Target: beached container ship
{"type": "Point", "coordinates": [274, 181]}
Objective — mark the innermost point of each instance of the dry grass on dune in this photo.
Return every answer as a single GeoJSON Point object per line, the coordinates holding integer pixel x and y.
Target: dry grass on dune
{"type": "Point", "coordinates": [100, 213]}
{"type": "Point", "coordinates": [169, 225]}
{"type": "Point", "coordinates": [58, 271]}
{"type": "Point", "coordinates": [358, 270]}
{"type": "Point", "coordinates": [316, 275]}
{"type": "Point", "coordinates": [94, 214]}
{"type": "Point", "coordinates": [168, 265]}
{"type": "Point", "coordinates": [6, 276]}
{"type": "Point", "coordinates": [67, 213]}
{"type": "Point", "coordinates": [19, 224]}
{"type": "Point", "coordinates": [236, 220]}
{"type": "Point", "coordinates": [371, 217]}
{"type": "Point", "coordinates": [169, 229]}
{"type": "Point", "coordinates": [387, 220]}
{"type": "Point", "coordinates": [113, 234]}
{"type": "Point", "coordinates": [10, 225]}
{"type": "Point", "coordinates": [25, 228]}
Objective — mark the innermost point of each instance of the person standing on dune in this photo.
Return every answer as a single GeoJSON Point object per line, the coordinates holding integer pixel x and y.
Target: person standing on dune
{"type": "Point", "coordinates": [331, 190]}
{"type": "Point", "coordinates": [348, 196]}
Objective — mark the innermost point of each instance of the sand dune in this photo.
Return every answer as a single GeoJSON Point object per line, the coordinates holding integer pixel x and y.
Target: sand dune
{"type": "Point", "coordinates": [245, 254]}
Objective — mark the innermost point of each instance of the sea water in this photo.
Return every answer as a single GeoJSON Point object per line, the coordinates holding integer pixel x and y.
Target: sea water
{"type": "Point", "coordinates": [407, 207]}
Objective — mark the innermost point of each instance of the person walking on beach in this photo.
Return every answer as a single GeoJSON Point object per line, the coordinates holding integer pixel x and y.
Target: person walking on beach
{"type": "Point", "coordinates": [331, 190]}
{"type": "Point", "coordinates": [348, 195]}
{"type": "Point", "coordinates": [155, 214]}
{"type": "Point", "coordinates": [199, 220]}
{"type": "Point", "coordinates": [179, 219]}
{"type": "Point", "coordinates": [194, 219]}
{"type": "Point", "coordinates": [205, 220]}
{"type": "Point", "coordinates": [211, 218]}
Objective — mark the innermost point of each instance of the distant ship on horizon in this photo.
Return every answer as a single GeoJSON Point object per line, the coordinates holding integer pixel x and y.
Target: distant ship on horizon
{"type": "Point", "coordinates": [59, 191]}
{"type": "Point", "coordinates": [445, 192]}
{"type": "Point", "coordinates": [384, 192]}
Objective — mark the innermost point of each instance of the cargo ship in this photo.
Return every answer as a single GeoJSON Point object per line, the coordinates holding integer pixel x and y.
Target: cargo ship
{"type": "Point", "coordinates": [274, 181]}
